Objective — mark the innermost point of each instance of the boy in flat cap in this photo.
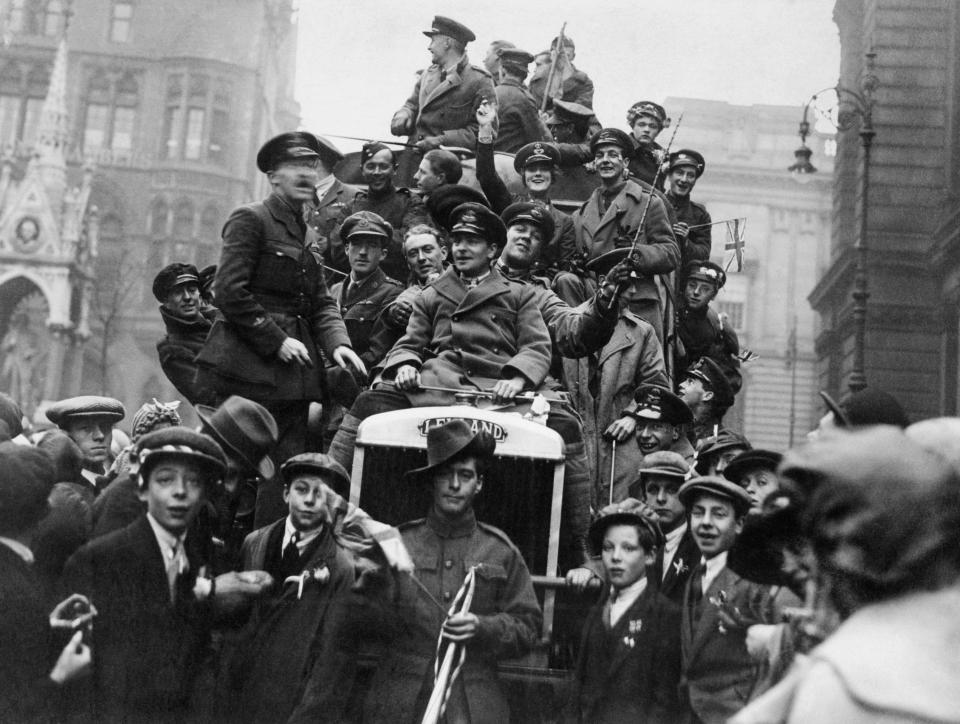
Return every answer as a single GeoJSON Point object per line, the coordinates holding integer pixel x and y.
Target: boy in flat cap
{"type": "Point", "coordinates": [278, 317]}
{"type": "Point", "coordinates": [646, 120]}
{"type": "Point", "coordinates": [692, 228]}
{"type": "Point", "coordinates": [441, 109]}
{"type": "Point", "coordinates": [629, 663]}
{"type": "Point", "coordinates": [719, 674]}
{"type": "Point", "coordinates": [294, 660]}
{"type": "Point", "coordinates": [702, 332]}
{"type": "Point", "coordinates": [187, 321]}
{"type": "Point", "coordinates": [88, 420]}
{"type": "Point", "coordinates": [505, 618]}
{"type": "Point", "coordinates": [517, 111]}
{"type": "Point", "coordinates": [397, 205]}
{"type": "Point", "coordinates": [607, 223]}
{"type": "Point", "coordinates": [537, 163]}
{"type": "Point", "coordinates": [148, 582]}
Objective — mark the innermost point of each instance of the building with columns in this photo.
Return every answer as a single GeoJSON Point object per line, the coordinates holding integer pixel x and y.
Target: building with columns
{"type": "Point", "coordinates": [124, 143]}
{"type": "Point", "coordinates": [747, 151]}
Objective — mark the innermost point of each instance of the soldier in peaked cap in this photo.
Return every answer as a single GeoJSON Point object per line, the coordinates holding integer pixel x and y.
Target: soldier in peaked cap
{"type": "Point", "coordinates": [89, 421]}
{"type": "Point", "coordinates": [661, 417]}
{"type": "Point", "coordinates": [703, 332]}
{"type": "Point", "coordinates": [516, 109]}
{"type": "Point", "coordinates": [278, 317]}
{"type": "Point", "coordinates": [505, 618]}
{"type": "Point", "coordinates": [705, 387]}
{"type": "Point", "coordinates": [441, 109]}
{"type": "Point", "coordinates": [572, 125]}
{"type": "Point", "coordinates": [188, 322]}
{"type": "Point", "coordinates": [646, 119]}
{"type": "Point", "coordinates": [537, 164]}
{"type": "Point", "coordinates": [692, 227]}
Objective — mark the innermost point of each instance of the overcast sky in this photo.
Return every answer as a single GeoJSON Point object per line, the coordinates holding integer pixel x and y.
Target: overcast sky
{"type": "Point", "coordinates": [357, 58]}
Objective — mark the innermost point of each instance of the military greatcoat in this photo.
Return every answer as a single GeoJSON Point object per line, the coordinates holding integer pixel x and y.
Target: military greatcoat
{"type": "Point", "coordinates": [519, 119]}
{"type": "Point", "coordinates": [270, 286]}
{"type": "Point", "coordinates": [445, 104]}
{"type": "Point", "coordinates": [504, 601]}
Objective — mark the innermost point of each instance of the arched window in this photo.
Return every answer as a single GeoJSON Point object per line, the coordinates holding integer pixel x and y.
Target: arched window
{"type": "Point", "coordinates": [158, 218]}
{"type": "Point", "coordinates": [183, 221]}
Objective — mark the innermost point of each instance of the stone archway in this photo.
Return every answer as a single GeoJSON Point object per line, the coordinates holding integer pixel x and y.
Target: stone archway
{"type": "Point", "coordinates": [25, 342]}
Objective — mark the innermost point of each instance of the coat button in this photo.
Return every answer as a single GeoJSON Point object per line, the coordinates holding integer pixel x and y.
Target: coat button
{"type": "Point", "coordinates": [448, 564]}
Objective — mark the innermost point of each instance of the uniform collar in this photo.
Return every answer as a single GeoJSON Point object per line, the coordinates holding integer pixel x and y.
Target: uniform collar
{"type": "Point", "coordinates": [456, 529]}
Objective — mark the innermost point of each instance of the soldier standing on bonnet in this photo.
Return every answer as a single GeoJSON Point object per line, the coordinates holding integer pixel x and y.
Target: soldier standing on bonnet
{"type": "Point", "coordinates": [278, 314]}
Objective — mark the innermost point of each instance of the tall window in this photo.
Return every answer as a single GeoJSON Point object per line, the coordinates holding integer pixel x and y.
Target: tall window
{"type": "Point", "coordinates": [121, 20]}
{"type": "Point", "coordinates": [111, 113]}
{"type": "Point", "coordinates": [53, 18]}
{"type": "Point", "coordinates": [22, 91]}
{"type": "Point", "coordinates": [196, 123]}
{"type": "Point", "coordinates": [11, 101]}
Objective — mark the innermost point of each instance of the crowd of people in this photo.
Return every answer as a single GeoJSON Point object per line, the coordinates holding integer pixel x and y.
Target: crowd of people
{"type": "Point", "coordinates": [221, 573]}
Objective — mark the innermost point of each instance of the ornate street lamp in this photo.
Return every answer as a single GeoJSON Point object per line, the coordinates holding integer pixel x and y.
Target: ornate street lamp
{"type": "Point", "coordinates": [850, 105]}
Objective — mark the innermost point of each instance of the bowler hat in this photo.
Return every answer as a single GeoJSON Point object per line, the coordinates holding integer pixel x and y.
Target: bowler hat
{"type": "Point", "coordinates": [450, 439]}
{"type": "Point", "coordinates": [869, 406]}
{"type": "Point", "coordinates": [612, 137]}
{"type": "Point", "coordinates": [647, 108]}
{"type": "Point", "coordinates": [687, 157]}
{"type": "Point", "coordinates": [659, 403]}
{"type": "Point", "coordinates": [173, 275]}
{"type": "Point", "coordinates": [177, 442]}
{"type": "Point", "coordinates": [532, 212]}
{"type": "Point", "coordinates": [317, 463]}
{"type": "Point", "coordinates": [59, 413]}
{"type": "Point", "coordinates": [478, 220]}
{"type": "Point", "coordinates": [536, 152]}
{"type": "Point", "coordinates": [718, 486]}
{"type": "Point", "coordinates": [443, 200]}
{"type": "Point", "coordinates": [451, 28]}
{"type": "Point", "coordinates": [749, 460]}
{"type": "Point", "coordinates": [245, 430]}
{"type": "Point", "coordinates": [366, 223]}
{"type": "Point", "coordinates": [627, 512]}
{"type": "Point", "coordinates": [11, 415]}
{"type": "Point", "coordinates": [287, 147]}
{"type": "Point", "coordinates": [26, 479]}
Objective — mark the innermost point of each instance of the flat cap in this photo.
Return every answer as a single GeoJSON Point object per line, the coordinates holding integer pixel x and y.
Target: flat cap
{"type": "Point", "coordinates": [532, 212]}
{"type": "Point", "coordinates": [647, 108]}
{"type": "Point", "coordinates": [725, 440]}
{"type": "Point", "coordinates": [59, 413]}
{"type": "Point", "coordinates": [666, 463]}
{"type": "Point", "coordinates": [287, 147]}
{"type": "Point", "coordinates": [366, 223]}
{"type": "Point", "coordinates": [718, 486]}
{"type": "Point", "coordinates": [442, 201]}
{"type": "Point", "coordinates": [627, 512]}
{"type": "Point", "coordinates": [172, 276]}
{"type": "Point", "coordinates": [712, 375]}
{"type": "Point", "coordinates": [658, 403]}
{"type": "Point", "coordinates": [612, 137]}
{"type": "Point", "coordinates": [748, 460]}
{"type": "Point", "coordinates": [317, 464]}
{"type": "Point", "coordinates": [707, 271]}
{"type": "Point", "coordinates": [536, 152]}
{"type": "Point", "coordinates": [451, 28]}
{"type": "Point", "coordinates": [687, 157]}
{"type": "Point", "coordinates": [477, 219]}
{"type": "Point", "coordinates": [178, 442]}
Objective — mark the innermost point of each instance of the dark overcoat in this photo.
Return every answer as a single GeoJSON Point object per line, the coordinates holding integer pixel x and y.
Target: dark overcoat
{"type": "Point", "coordinates": [518, 116]}
{"type": "Point", "coordinates": [698, 242]}
{"type": "Point", "coordinates": [504, 601]}
{"type": "Point", "coordinates": [718, 673]}
{"type": "Point", "coordinates": [600, 233]}
{"type": "Point", "coordinates": [461, 338]}
{"type": "Point", "coordinates": [631, 672]}
{"type": "Point", "coordinates": [402, 209]}
{"type": "Point", "coordinates": [447, 107]}
{"type": "Point", "coordinates": [270, 286]}
{"type": "Point", "coordinates": [685, 560]}
{"type": "Point", "coordinates": [324, 218]}
{"type": "Point", "coordinates": [178, 352]}
{"type": "Point", "coordinates": [147, 650]}
{"type": "Point", "coordinates": [578, 88]}
{"type": "Point", "coordinates": [293, 660]}
{"type": "Point", "coordinates": [361, 307]}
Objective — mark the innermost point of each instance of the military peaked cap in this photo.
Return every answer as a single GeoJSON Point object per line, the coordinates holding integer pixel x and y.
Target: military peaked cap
{"type": "Point", "coordinates": [647, 108]}
{"type": "Point", "coordinates": [536, 152]}
{"type": "Point", "coordinates": [515, 57]}
{"type": "Point", "coordinates": [687, 157]}
{"type": "Point", "coordinates": [717, 486]}
{"type": "Point", "coordinates": [710, 373]}
{"type": "Point", "coordinates": [532, 212]}
{"type": "Point", "coordinates": [441, 202]}
{"type": "Point", "coordinates": [59, 413]}
{"type": "Point", "coordinates": [659, 403]}
{"type": "Point", "coordinates": [612, 137]}
{"type": "Point", "coordinates": [570, 112]}
{"type": "Point", "coordinates": [366, 223]}
{"type": "Point", "coordinates": [480, 221]}
{"type": "Point", "coordinates": [451, 28]}
{"type": "Point", "coordinates": [287, 147]}
{"type": "Point", "coordinates": [172, 276]}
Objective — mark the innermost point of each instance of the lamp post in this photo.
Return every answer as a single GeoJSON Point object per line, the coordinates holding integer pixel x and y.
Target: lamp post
{"type": "Point", "coordinates": [851, 105]}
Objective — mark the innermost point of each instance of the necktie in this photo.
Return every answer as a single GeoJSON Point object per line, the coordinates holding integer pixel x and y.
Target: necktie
{"type": "Point", "coordinates": [696, 591]}
{"type": "Point", "coordinates": [175, 567]}
{"type": "Point", "coordinates": [607, 613]}
{"type": "Point", "coordinates": [443, 75]}
{"type": "Point", "coordinates": [290, 562]}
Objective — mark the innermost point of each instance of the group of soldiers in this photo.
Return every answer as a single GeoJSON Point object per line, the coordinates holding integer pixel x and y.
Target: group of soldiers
{"type": "Point", "coordinates": [221, 573]}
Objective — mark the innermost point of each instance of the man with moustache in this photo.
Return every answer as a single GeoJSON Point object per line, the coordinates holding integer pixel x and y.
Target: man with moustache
{"type": "Point", "coordinates": [278, 317]}
{"type": "Point", "coordinates": [693, 221]}
{"type": "Point", "coordinates": [398, 206]}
